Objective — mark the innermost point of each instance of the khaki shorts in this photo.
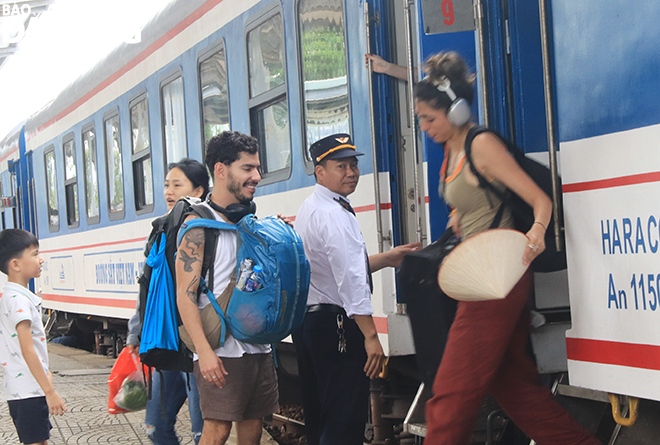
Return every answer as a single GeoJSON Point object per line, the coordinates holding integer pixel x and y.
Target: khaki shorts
{"type": "Point", "coordinates": [250, 391]}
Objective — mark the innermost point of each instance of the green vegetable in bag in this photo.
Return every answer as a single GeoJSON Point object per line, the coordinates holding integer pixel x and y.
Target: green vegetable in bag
{"type": "Point", "coordinates": [132, 395]}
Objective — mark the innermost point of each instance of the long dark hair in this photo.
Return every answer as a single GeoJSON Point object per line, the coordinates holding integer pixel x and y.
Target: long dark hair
{"type": "Point", "coordinates": [195, 172]}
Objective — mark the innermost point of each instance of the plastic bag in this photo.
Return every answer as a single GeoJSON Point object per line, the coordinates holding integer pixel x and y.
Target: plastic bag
{"type": "Point", "coordinates": [125, 365]}
{"type": "Point", "coordinates": [132, 395]}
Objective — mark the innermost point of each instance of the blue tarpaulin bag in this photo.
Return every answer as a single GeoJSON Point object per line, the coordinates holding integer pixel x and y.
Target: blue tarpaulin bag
{"type": "Point", "coordinates": [269, 314]}
{"type": "Point", "coordinates": [160, 343]}
{"type": "Point", "coordinates": [160, 327]}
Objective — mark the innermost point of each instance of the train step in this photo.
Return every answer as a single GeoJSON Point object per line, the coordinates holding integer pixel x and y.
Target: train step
{"type": "Point", "coordinates": [489, 426]}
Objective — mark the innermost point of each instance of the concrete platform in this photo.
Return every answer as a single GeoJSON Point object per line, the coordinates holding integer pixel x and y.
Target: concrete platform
{"type": "Point", "coordinates": [81, 379]}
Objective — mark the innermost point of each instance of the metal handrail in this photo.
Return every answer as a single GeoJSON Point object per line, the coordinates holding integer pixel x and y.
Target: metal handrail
{"type": "Point", "coordinates": [550, 122]}
{"type": "Point", "coordinates": [413, 126]}
{"type": "Point", "coordinates": [374, 151]}
{"type": "Point", "coordinates": [479, 17]}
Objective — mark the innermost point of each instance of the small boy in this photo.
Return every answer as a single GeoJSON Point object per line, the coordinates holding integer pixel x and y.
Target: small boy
{"type": "Point", "coordinates": [28, 382]}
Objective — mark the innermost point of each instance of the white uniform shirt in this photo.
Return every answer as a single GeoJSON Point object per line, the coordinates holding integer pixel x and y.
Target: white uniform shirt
{"type": "Point", "coordinates": [336, 252]}
{"type": "Point", "coordinates": [224, 265]}
{"type": "Point", "coordinates": [17, 304]}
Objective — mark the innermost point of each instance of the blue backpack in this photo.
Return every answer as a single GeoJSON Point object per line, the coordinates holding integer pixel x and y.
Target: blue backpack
{"type": "Point", "coordinates": [269, 314]}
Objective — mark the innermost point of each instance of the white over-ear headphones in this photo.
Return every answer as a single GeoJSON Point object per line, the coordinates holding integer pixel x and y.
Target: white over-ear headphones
{"type": "Point", "coordinates": [459, 111]}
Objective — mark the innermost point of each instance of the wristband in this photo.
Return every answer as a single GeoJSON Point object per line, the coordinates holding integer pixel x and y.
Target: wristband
{"type": "Point", "coordinates": [541, 224]}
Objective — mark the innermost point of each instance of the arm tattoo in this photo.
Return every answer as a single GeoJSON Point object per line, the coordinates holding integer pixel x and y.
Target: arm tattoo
{"type": "Point", "coordinates": [187, 260]}
{"type": "Point", "coordinates": [194, 240]}
{"type": "Point", "coordinates": [191, 290]}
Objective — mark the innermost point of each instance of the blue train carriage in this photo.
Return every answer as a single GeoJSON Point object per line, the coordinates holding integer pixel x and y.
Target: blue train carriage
{"type": "Point", "coordinates": [100, 149]}
{"type": "Point", "coordinates": [292, 72]}
{"type": "Point", "coordinates": [607, 90]}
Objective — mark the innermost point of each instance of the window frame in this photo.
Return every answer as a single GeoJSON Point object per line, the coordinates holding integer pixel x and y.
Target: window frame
{"type": "Point", "coordinates": [270, 97]}
{"type": "Point", "coordinates": [2, 209]}
{"type": "Point", "coordinates": [203, 56]}
{"type": "Point", "coordinates": [308, 163]}
{"type": "Point", "coordinates": [71, 182]}
{"type": "Point", "coordinates": [117, 214]}
{"type": "Point", "coordinates": [86, 128]}
{"type": "Point", "coordinates": [141, 156]}
{"type": "Point", "coordinates": [166, 80]}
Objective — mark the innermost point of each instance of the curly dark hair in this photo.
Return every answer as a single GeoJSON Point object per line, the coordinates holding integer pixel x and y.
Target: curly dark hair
{"type": "Point", "coordinates": [452, 66]}
{"type": "Point", "coordinates": [227, 147]}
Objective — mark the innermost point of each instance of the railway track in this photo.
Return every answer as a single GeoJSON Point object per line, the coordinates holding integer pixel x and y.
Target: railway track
{"type": "Point", "coordinates": [287, 426]}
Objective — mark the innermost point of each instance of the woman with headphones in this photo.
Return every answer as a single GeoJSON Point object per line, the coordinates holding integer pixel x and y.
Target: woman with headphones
{"type": "Point", "coordinates": [485, 351]}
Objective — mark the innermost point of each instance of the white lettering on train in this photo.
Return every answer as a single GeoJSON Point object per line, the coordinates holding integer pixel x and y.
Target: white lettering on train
{"type": "Point", "coordinates": [115, 273]}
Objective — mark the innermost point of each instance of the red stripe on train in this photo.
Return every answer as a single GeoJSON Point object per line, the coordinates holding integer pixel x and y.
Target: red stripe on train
{"type": "Point", "coordinates": [108, 302]}
{"type": "Point", "coordinates": [643, 178]}
{"type": "Point", "coordinates": [367, 208]}
{"type": "Point", "coordinates": [381, 325]}
{"type": "Point", "coordinates": [90, 246]}
{"type": "Point", "coordinates": [633, 355]}
{"type": "Point", "coordinates": [380, 322]}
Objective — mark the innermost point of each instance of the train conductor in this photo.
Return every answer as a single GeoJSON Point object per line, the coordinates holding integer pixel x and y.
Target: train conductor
{"type": "Point", "coordinates": [337, 345]}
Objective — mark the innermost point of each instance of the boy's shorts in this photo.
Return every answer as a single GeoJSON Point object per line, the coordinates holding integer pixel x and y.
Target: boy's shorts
{"type": "Point", "coordinates": [30, 418]}
{"type": "Point", "coordinates": [250, 391]}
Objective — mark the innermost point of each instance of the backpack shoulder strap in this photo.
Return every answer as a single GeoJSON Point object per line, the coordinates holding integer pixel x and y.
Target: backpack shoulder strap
{"type": "Point", "coordinates": [205, 224]}
{"type": "Point", "coordinates": [210, 241]}
{"type": "Point", "coordinates": [206, 220]}
{"type": "Point", "coordinates": [483, 183]}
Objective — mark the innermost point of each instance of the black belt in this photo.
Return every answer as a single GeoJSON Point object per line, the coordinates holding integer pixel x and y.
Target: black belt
{"type": "Point", "coordinates": [326, 307]}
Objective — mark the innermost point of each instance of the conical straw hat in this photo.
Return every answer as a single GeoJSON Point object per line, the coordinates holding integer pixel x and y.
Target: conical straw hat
{"type": "Point", "coordinates": [484, 267]}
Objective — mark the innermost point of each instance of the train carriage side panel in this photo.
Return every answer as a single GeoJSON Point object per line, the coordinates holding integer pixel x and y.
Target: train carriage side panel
{"type": "Point", "coordinates": [606, 66]}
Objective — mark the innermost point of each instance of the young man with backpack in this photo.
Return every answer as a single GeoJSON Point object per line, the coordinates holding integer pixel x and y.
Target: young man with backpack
{"type": "Point", "coordinates": [237, 381]}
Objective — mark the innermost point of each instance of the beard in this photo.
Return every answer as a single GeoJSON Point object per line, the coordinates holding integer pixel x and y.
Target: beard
{"type": "Point", "coordinates": [236, 188]}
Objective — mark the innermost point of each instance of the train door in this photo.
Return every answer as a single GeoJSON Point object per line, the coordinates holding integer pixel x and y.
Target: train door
{"type": "Point", "coordinates": [22, 191]}
{"type": "Point", "coordinates": [23, 188]}
{"type": "Point", "coordinates": [501, 40]}
{"type": "Point", "coordinates": [399, 34]}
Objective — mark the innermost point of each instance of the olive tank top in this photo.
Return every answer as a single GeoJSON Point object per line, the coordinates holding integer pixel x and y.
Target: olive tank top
{"type": "Point", "coordinates": [476, 206]}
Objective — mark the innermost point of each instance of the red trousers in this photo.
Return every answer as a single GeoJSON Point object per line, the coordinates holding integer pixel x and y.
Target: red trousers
{"type": "Point", "coordinates": [485, 354]}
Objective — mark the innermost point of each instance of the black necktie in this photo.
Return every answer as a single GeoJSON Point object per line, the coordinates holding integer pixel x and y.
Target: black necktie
{"type": "Point", "coordinates": [347, 206]}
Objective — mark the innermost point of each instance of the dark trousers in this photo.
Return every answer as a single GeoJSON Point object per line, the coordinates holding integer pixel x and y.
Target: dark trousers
{"type": "Point", "coordinates": [485, 353]}
{"type": "Point", "coordinates": [334, 386]}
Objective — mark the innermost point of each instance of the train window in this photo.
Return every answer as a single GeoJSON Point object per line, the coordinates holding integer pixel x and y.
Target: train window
{"type": "Point", "coordinates": [214, 93]}
{"type": "Point", "coordinates": [174, 118]}
{"type": "Point", "coordinates": [51, 190]}
{"type": "Point", "coordinates": [269, 109]}
{"type": "Point", "coordinates": [322, 45]}
{"type": "Point", "coordinates": [71, 182]}
{"type": "Point", "coordinates": [143, 184]}
{"type": "Point", "coordinates": [114, 168]}
{"type": "Point", "coordinates": [91, 174]}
